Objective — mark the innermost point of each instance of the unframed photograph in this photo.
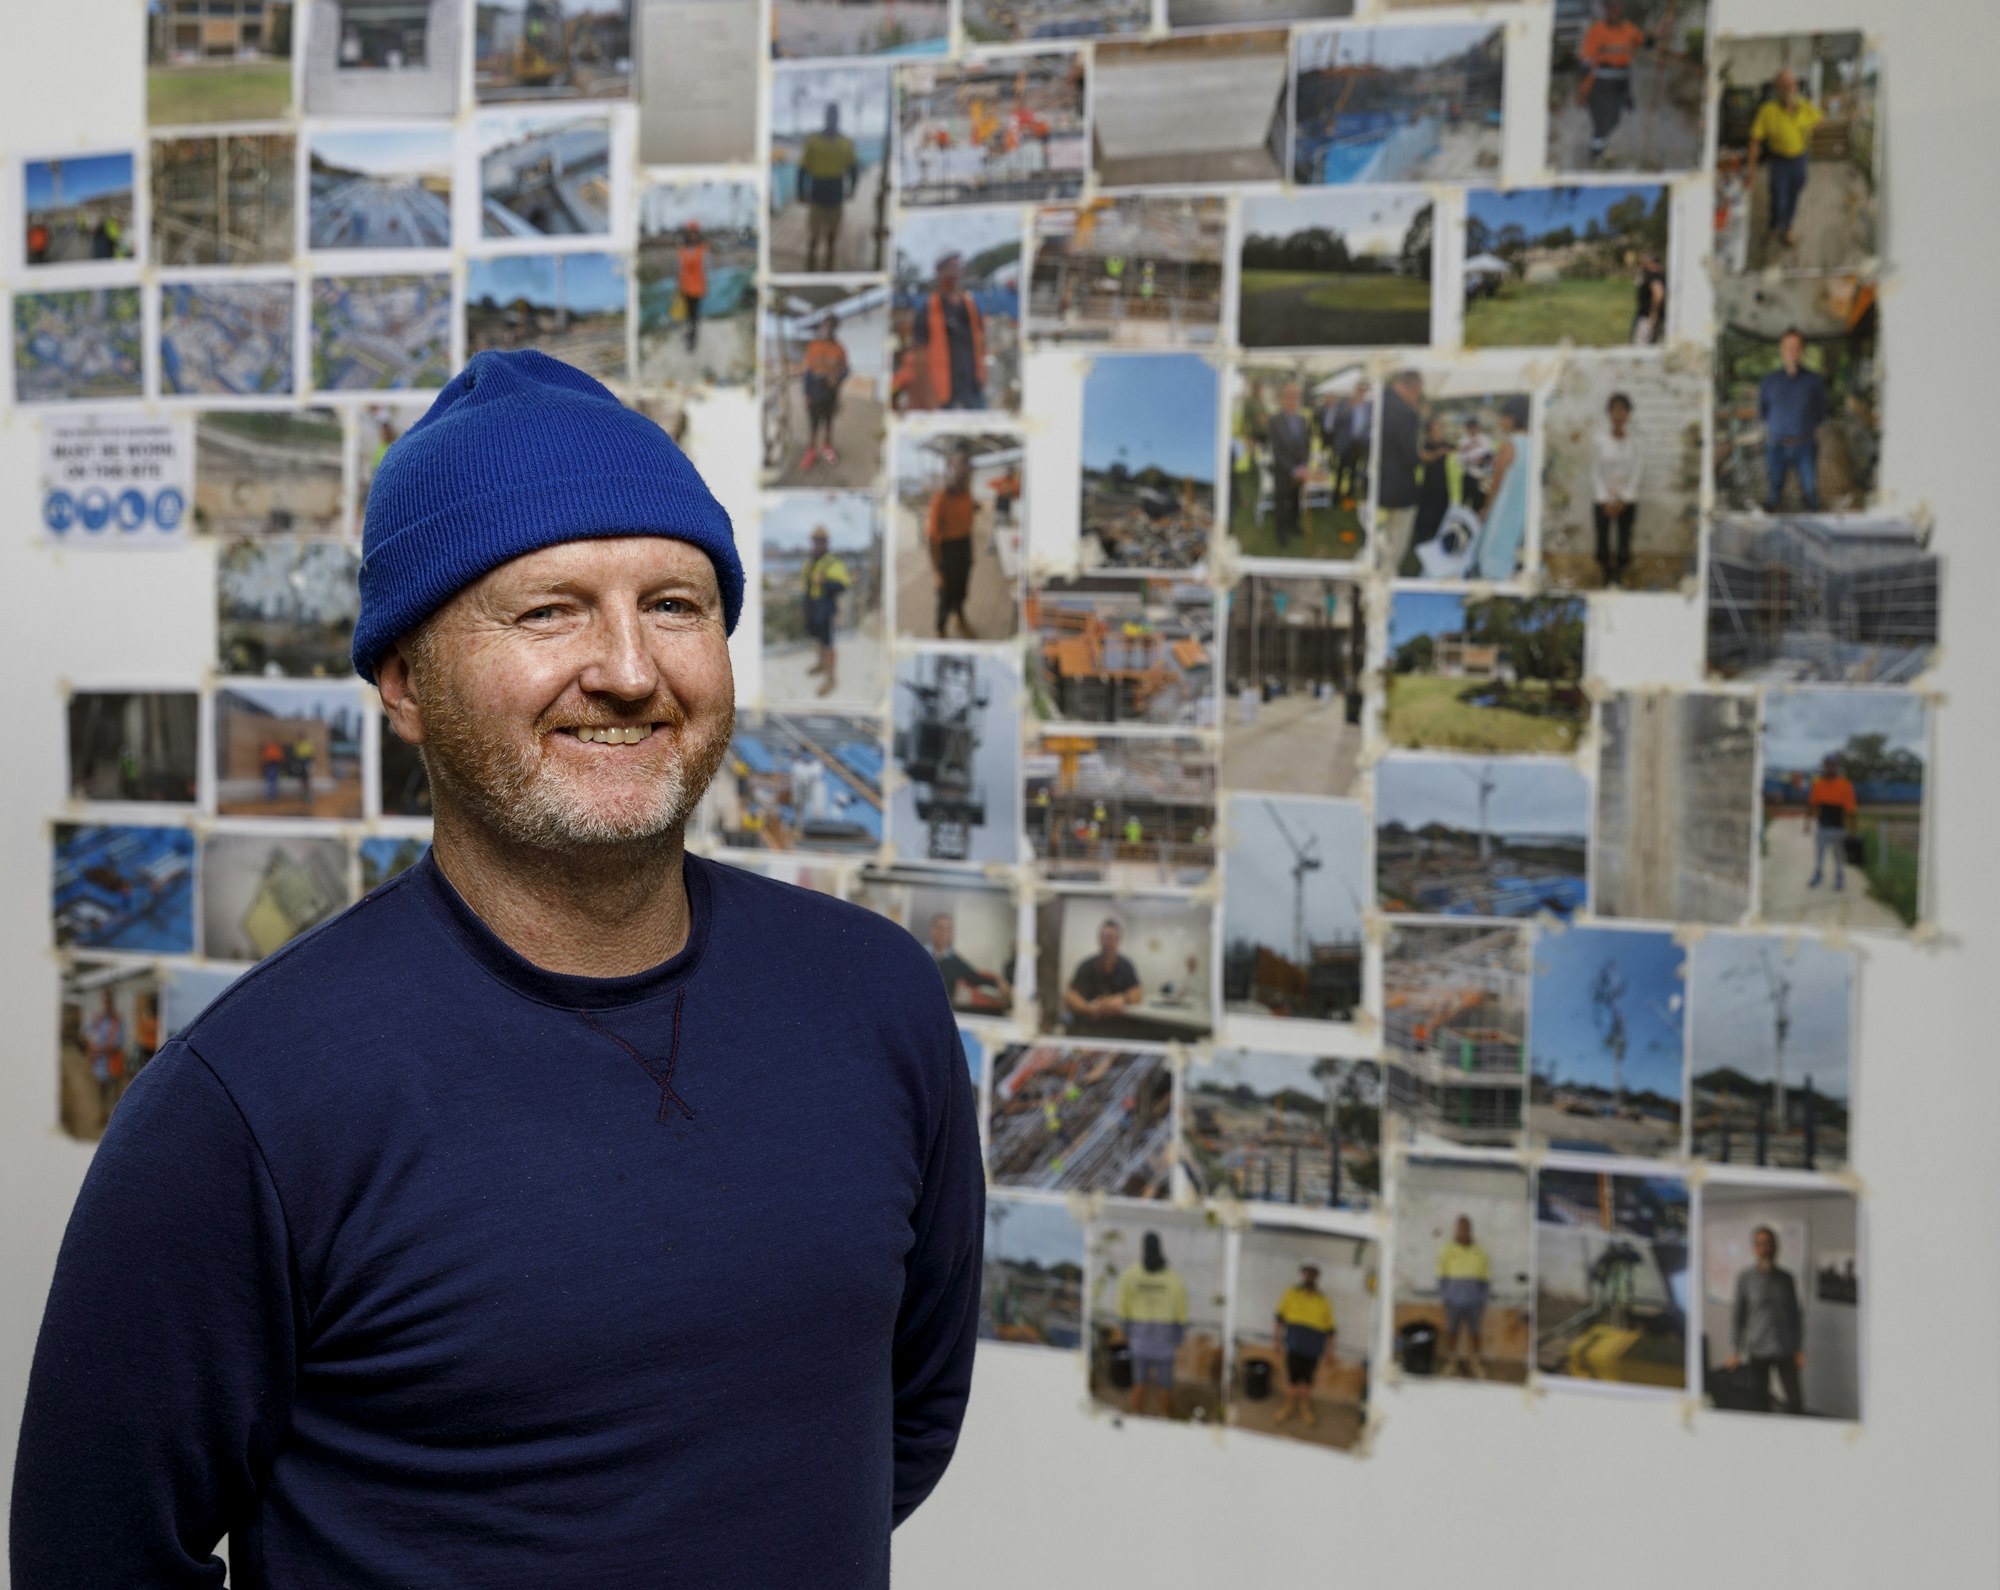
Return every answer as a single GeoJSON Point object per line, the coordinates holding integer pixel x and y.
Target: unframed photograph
{"type": "Point", "coordinates": [1495, 673]}
{"type": "Point", "coordinates": [1018, 21]}
{"type": "Point", "coordinates": [956, 317]}
{"type": "Point", "coordinates": [1142, 93]}
{"type": "Point", "coordinates": [288, 750]}
{"type": "Point", "coordinates": [287, 607]}
{"type": "Point", "coordinates": [259, 892]}
{"type": "Point", "coordinates": [1123, 811]}
{"type": "Point", "coordinates": [1292, 1129]}
{"type": "Point", "coordinates": [1295, 882]}
{"type": "Point", "coordinates": [1158, 1300]}
{"type": "Point", "coordinates": [123, 887]}
{"type": "Point", "coordinates": [133, 745]}
{"type": "Point", "coordinates": [544, 174]}
{"type": "Point", "coordinates": [368, 58]}
{"type": "Point", "coordinates": [1611, 1278]}
{"type": "Point", "coordinates": [268, 472]}
{"type": "Point", "coordinates": [1113, 649]}
{"type": "Point", "coordinates": [1031, 1288]}
{"type": "Point", "coordinates": [552, 49]}
{"type": "Point", "coordinates": [1303, 1334]}
{"type": "Point", "coordinates": [1002, 130]}
{"type": "Point", "coordinates": [1608, 1054]}
{"type": "Point", "coordinates": [226, 339]}
{"type": "Point", "coordinates": [1405, 104]}
{"type": "Point", "coordinates": [1148, 447]}
{"type": "Point", "coordinates": [72, 347]}
{"type": "Point", "coordinates": [829, 169]}
{"type": "Point", "coordinates": [1297, 651]}
{"type": "Point", "coordinates": [955, 735]}
{"type": "Point", "coordinates": [1300, 435]}
{"type": "Point", "coordinates": [802, 29]}
{"type": "Point", "coordinates": [381, 333]}
{"type": "Point", "coordinates": [107, 1028]}
{"type": "Point", "coordinates": [826, 374]}
{"type": "Point", "coordinates": [960, 534]}
{"type": "Point", "coordinates": [1461, 836]}
{"type": "Point", "coordinates": [969, 926]}
{"type": "Point", "coordinates": [224, 200]}
{"type": "Point", "coordinates": [571, 307]}
{"type": "Point", "coordinates": [822, 573]}
{"type": "Point", "coordinates": [1628, 85]}
{"type": "Point", "coordinates": [233, 62]}
{"type": "Point", "coordinates": [1116, 966]}
{"type": "Point", "coordinates": [1452, 480]}
{"type": "Point", "coordinates": [1464, 1253]}
{"type": "Point", "coordinates": [1584, 265]}
{"type": "Point", "coordinates": [697, 267]}
{"type": "Point", "coordinates": [1455, 1033]}
{"type": "Point", "coordinates": [1068, 1119]}
{"type": "Point", "coordinates": [799, 780]}
{"type": "Point", "coordinates": [379, 188]}
{"type": "Point", "coordinates": [1334, 269]}
{"type": "Point", "coordinates": [78, 209]}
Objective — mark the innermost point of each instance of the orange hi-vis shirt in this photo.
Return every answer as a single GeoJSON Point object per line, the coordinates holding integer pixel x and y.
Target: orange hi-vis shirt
{"type": "Point", "coordinates": [826, 359]}
{"type": "Point", "coordinates": [1610, 46]}
{"type": "Point", "coordinates": [1832, 801]}
{"type": "Point", "coordinates": [951, 517]}
{"type": "Point", "coordinates": [694, 270]}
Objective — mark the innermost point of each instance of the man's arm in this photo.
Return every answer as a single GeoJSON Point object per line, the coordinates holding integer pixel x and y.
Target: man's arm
{"type": "Point", "coordinates": [939, 1322]}
{"type": "Point", "coordinates": [164, 1374]}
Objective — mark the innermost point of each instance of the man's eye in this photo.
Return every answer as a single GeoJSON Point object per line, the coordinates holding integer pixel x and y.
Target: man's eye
{"type": "Point", "coordinates": [672, 604]}
{"type": "Point", "coordinates": [539, 612]}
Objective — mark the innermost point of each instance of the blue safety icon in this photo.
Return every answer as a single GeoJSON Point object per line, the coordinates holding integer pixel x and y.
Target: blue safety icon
{"type": "Point", "coordinates": [95, 507]}
{"type": "Point", "coordinates": [168, 507]}
{"type": "Point", "coordinates": [59, 510]}
{"type": "Point", "coordinates": [131, 508]}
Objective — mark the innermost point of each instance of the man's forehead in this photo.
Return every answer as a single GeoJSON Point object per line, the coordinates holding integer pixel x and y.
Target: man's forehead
{"type": "Point", "coordinates": [607, 561]}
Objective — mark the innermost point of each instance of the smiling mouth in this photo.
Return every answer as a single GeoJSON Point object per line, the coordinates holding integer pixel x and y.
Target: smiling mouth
{"type": "Point", "coordinates": [616, 734]}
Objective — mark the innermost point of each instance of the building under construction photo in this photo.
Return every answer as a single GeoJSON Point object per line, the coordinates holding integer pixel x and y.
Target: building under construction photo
{"type": "Point", "coordinates": [1283, 1128]}
{"type": "Point", "coordinates": [1119, 650]}
{"type": "Point", "coordinates": [1068, 1119]}
{"type": "Point", "coordinates": [1122, 811]}
{"type": "Point", "coordinates": [1133, 271]}
{"type": "Point", "coordinates": [1454, 1025]}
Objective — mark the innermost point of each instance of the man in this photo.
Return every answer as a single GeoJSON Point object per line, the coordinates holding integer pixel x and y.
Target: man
{"type": "Point", "coordinates": [1616, 470]}
{"type": "Point", "coordinates": [825, 372]}
{"type": "Point", "coordinates": [1153, 1314]}
{"type": "Point", "coordinates": [104, 1046]}
{"type": "Point", "coordinates": [1765, 1327]}
{"type": "Point", "coordinates": [274, 758]}
{"type": "Point", "coordinates": [1398, 488]}
{"type": "Point", "coordinates": [1303, 1333]}
{"type": "Point", "coordinates": [691, 266]}
{"type": "Point", "coordinates": [513, 1228]}
{"type": "Point", "coordinates": [1475, 455]}
{"type": "Point", "coordinates": [829, 172]}
{"type": "Point", "coordinates": [1465, 1279]}
{"type": "Point", "coordinates": [948, 537]}
{"type": "Point", "coordinates": [303, 751]}
{"type": "Point", "coordinates": [953, 338]}
{"type": "Point", "coordinates": [822, 583]}
{"type": "Point", "coordinates": [1358, 423]}
{"type": "Point", "coordinates": [1830, 809]}
{"type": "Point", "coordinates": [1649, 312]}
{"type": "Point", "coordinates": [968, 987]}
{"type": "Point", "coordinates": [1784, 127]}
{"type": "Point", "coordinates": [1791, 403]}
{"type": "Point", "coordinates": [1289, 441]}
{"type": "Point", "coordinates": [1103, 985]}
{"type": "Point", "coordinates": [1607, 51]}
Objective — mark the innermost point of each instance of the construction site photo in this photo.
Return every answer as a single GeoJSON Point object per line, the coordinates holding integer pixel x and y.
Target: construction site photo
{"type": "Point", "coordinates": [383, 857]}
{"type": "Point", "coordinates": [813, 436]}
{"type": "Point", "coordinates": [383, 333]}
{"type": "Point", "coordinates": [107, 1028]}
{"type": "Point", "coordinates": [374, 189]}
{"type": "Point", "coordinates": [568, 306]}
{"type": "Point", "coordinates": [1461, 837]}
{"type": "Point", "coordinates": [77, 210]}
{"type": "Point", "coordinates": [805, 28]}
{"type": "Point", "coordinates": [1495, 673]}
{"type": "Point", "coordinates": [829, 169]}
{"type": "Point", "coordinates": [1031, 1289]}
{"type": "Point", "coordinates": [1124, 811]}
{"type": "Point", "coordinates": [707, 337]}
{"type": "Point", "coordinates": [383, 57]}
{"type": "Point", "coordinates": [1124, 966]}
{"type": "Point", "coordinates": [74, 346]}
{"type": "Point", "coordinates": [1403, 104]}
{"type": "Point", "coordinates": [1455, 1034]}
{"type": "Point", "coordinates": [1013, 21]}
{"type": "Point", "coordinates": [1294, 892]}
{"type": "Point", "coordinates": [227, 339]}
{"type": "Point", "coordinates": [288, 750]}
{"type": "Point", "coordinates": [133, 745]}
{"type": "Point", "coordinates": [1186, 111]}
{"type": "Point", "coordinates": [259, 892]}
{"type": "Point", "coordinates": [801, 781]}
{"type": "Point", "coordinates": [822, 580]}
{"type": "Point", "coordinates": [225, 200]}
{"type": "Point", "coordinates": [287, 607]}
{"type": "Point", "coordinates": [1619, 105]}
{"type": "Point", "coordinates": [552, 49]}
{"type": "Point", "coordinates": [1001, 130]}
{"type": "Point", "coordinates": [1315, 505]}
{"type": "Point", "coordinates": [1134, 270]}
{"type": "Point", "coordinates": [1676, 807]}
{"type": "Point", "coordinates": [544, 174]}
{"type": "Point", "coordinates": [1288, 1129]}
{"type": "Point", "coordinates": [1110, 649]}
{"type": "Point", "coordinates": [956, 739]}
{"type": "Point", "coordinates": [1149, 423]}
{"type": "Point", "coordinates": [1611, 1278]}
{"type": "Point", "coordinates": [1158, 1287]}
{"type": "Point", "coordinates": [1295, 652]}
{"type": "Point", "coordinates": [123, 887]}
{"type": "Point", "coordinates": [1068, 1119]}
{"type": "Point", "coordinates": [926, 506]}
{"type": "Point", "coordinates": [1274, 1387]}
{"type": "Point", "coordinates": [1608, 1051]}
{"type": "Point", "coordinates": [1328, 268]}
{"type": "Point", "coordinates": [956, 314]}
{"type": "Point", "coordinates": [1464, 1252]}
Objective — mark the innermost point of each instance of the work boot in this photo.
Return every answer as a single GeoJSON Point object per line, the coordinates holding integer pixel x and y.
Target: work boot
{"type": "Point", "coordinates": [1478, 1367]}
{"type": "Point", "coordinates": [1306, 1412]}
{"type": "Point", "coordinates": [1285, 1411]}
{"type": "Point", "coordinates": [826, 689]}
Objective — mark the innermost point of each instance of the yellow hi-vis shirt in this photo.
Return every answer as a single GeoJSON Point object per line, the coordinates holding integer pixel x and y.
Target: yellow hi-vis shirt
{"type": "Point", "coordinates": [827, 155]}
{"type": "Point", "coordinates": [1463, 1261]}
{"type": "Point", "coordinates": [1153, 1297]}
{"type": "Point", "coordinates": [1785, 133]}
{"type": "Point", "coordinates": [1313, 1310]}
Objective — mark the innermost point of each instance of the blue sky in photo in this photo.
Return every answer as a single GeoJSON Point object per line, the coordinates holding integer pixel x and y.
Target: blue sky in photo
{"type": "Point", "coordinates": [1413, 613]}
{"type": "Point", "coordinates": [1730, 1006]}
{"type": "Point", "coordinates": [84, 177]}
{"type": "Point", "coordinates": [1151, 409]}
{"type": "Point", "coordinates": [1389, 47]}
{"type": "Point", "coordinates": [591, 282]}
{"type": "Point", "coordinates": [1801, 727]}
{"type": "Point", "coordinates": [1540, 210]}
{"type": "Point", "coordinates": [1563, 1023]}
{"type": "Point", "coordinates": [397, 152]}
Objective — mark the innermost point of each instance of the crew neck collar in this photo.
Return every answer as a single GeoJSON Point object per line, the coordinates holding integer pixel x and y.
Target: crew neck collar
{"type": "Point", "coordinates": [564, 989]}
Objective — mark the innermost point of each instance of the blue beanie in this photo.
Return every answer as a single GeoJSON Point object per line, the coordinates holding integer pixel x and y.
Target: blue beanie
{"type": "Point", "coordinates": [520, 452]}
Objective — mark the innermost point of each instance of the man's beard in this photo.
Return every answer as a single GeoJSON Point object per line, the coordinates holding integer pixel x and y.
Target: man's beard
{"type": "Point", "coordinates": [525, 797]}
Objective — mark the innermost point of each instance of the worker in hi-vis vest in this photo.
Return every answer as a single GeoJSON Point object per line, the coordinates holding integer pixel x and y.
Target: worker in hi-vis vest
{"type": "Point", "coordinates": [1153, 1312]}
{"type": "Point", "coordinates": [691, 259]}
{"type": "Point", "coordinates": [952, 339]}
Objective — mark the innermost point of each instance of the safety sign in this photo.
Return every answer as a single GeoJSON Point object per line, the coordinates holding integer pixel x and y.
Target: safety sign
{"type": "Point", "coordinates": [116, 480]}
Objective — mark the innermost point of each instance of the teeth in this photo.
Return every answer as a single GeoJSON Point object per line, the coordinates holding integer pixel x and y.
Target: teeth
{"type": "Point", "coordinates": [629, 734]}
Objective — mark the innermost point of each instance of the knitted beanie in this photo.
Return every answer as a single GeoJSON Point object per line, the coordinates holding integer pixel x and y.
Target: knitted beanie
{"type": "Point", "coordinates": [520, 452]}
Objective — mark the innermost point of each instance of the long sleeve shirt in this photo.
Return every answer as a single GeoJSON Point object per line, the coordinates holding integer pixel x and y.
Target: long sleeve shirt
{"type": "Point", "coordinates": [1791, 405]}
{"type": "Point", "coordinates": [1290, 439]}
{"type": "Point", "coordinates": [1616, 468]}
{"type": "Point", "coordinates": [1765, 1320]}
{"type": "Point", "coordinates": [411, 1263]}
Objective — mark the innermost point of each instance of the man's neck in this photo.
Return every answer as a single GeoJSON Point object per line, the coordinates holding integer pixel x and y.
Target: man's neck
{"type": "Point", "coordinates": [601, 911]}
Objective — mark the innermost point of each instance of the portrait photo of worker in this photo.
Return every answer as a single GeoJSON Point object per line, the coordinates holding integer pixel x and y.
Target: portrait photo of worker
{"type": "Point", "coordinates": [825, 387]}
{"type": "Point", "coordinates": [1628, 85]}
{"type": "Point", "coordinates": [697, 270]}
{"type": "Point", "coordinates": [1133, 966]}
{"type": "Point", "coordinates": [968, 926]}
{"type": "Point", "coordinates": [960, 533]}
{"type": "Point", "coordinates": [956, 317]}
{"type": "Point", "coordinates": [1460, 1291]}
{"type": "Point", "coordinates": [1303, 1334]}
{"type": "Point", "coordinates": [829, 154]}
{"type": "Point", "coordinates": [823, 621]}
{"type": "Point", "coordinates": [1157, 1292]}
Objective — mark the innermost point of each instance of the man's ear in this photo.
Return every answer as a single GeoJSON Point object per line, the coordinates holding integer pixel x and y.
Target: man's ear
{"type": "Point", "coordinates": [392, 680]}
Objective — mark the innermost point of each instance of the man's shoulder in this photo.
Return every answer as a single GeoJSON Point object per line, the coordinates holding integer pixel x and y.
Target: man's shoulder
{"type": "Point", "coordinates": [807, 923]}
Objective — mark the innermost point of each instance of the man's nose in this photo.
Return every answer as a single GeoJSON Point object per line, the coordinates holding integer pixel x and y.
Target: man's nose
{"type": "Point", "coordinates": [621, 664]}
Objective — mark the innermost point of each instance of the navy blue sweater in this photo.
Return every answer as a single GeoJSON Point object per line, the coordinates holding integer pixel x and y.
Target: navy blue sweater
{"type": "Point", "coordinates": [412, 1264]}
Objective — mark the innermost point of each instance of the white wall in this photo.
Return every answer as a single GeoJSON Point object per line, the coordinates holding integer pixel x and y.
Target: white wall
{"type": "Point", "coordinates": [1480, 1485]}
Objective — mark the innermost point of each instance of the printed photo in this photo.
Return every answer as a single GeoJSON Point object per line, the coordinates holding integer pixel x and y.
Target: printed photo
{"type": "Point", "coordinates": [1251, 13]}
{"type": "Point", "coordinates": [232, 62]}
{"type": "Point", "coordinates": [821, 877]}
{"type": "Point", "coordinates": [1335, 270]}
{"type": "Point", "coordinates": [975, 1063]}
{"type": "Point", "coordinates": [1676, 802]}
{"type": "Point", "coordinates": [955, 735]}
{"type": "Point", "coordinates": [1031, 1288]}
{"type": "Point", "coordinates": [1486, 673]}
{"type": "Point", "coordinates": [1621, 482]}
{"type": "Point", "coordinates": [1143, 98]}
{"type": "Point", "coordinates": [1068, 1119]}
{"type": "Point", "coordinates": [1461, 836]}
{"type": "Point", "coordinates": [1298, 1129]}
{"type": "Point", "coordinates": [272, 472]}
{"type": "Point", "coordinates": [544, 174]}
{"type": "Point", "coordinates": [1611, 1278]}
{"type": "Point", "coordinates": [77, 346]}
{"type": "Point", "coordinates": [1158, 1303]}
{"type": "Point", "coordinates": [697, 284]}
{"type": "Point", "coordinates": [829, 166]}
{"type": "Point", "coordinates": [1581, 265]}
{"type": "Point", "coordinates": [802, 29]}
{"type": "Point", "coordinates": [1000, 130]}
{"type": "Point", "coordinates": [969, 928]}
{"type": "Point", "coordinates": [1110, 649]}
{"type": "Point", "coordinates": [1149, 423]}
{"type": "Point", "coordinates": [826, 367]}
{"type": "Point", "coordinates": [700, 73]}
{"type": "Point", "coordinates": [1464, 1253]}
{"type": "Point", "coordinates": [1770, 1051]}
{"type": "Point", "coordinates": [1130, 811]}
{"type": "Point", "coordinates": [1297, 649]}
{"type": "Point", "coordinates": [377, 426]}
{"type": "Point", "coordinates": [122, 887]}
{"type": "Point", "coordinates": [1843, 792]}
{"type": "Point", "coordinates": [822, 571]}
{"type": "Point", "coordinates": [1452, 485]}
{"type": "Point", "coordinates": [960, 538]}
{"type": "Point", "coordinates": [1780, 1300]}
{"type": "Point", "coordinates": [1798, 416]}
{"type": "Point", "coordinates": [187, 991]}
{"type": "Point", "coordinates": [1832, 599]}
{"type": "Point", "coordinates": [1017, 21]}
{"type": "Point", "coordinates": [1383, 105]}
{"type": "Point", "coordinates": [377, 188]}
{"type": "Point", "coordinates": [1454, 1032]}
{"type": "Point", "coordinates": [288, 751]}
{"type": "Point", "coordinates": [405, 786]}
{"type": "Point", "coordinates": [1293, 895]}
{"type": "Point", "coordinates": [1303, 1307]}
{"type": "Point", "coordinates": [1134, 967]}
{"type": "Point", "coordinates": [801, 781]}
{"type": "Point", "coordinates": [287, 607]}
{"type": "Point", "coordinates": [552, 49]}
{"type": "Point", "coordinates": [107, 1028]}
{"type": "Point", "coordinates": [956, 315]}
{"type": "Point", "coordinates": [382, 333]}
{"type": "Point", "coordinates": [229, 339]}
{"type": "Point", "coordinates": [133, 745]}
{"type": "Point", "coordinates": [1608, 1057]}
{"type": "Point", "coordinates": [382, 57]}
{"type": "Point", "coordinates": [1795, 152]}
{"type": "Point", "coordinates": [1137, 270]}
{"type": "Point", "coordinates": [569, 306]}
{"type": "Point", "coordinates": [1628, 85]}
{"type": "Point", "coordinates": [1299, 440]}
{"type": "Point", "coordinates": [224, 201]}
{"type": "Point", "coordinates": [77, 210]}
{"type": "Point", "coordinates": [382, 858]}
{"type": "Point", "coordinates": [259, 892]}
